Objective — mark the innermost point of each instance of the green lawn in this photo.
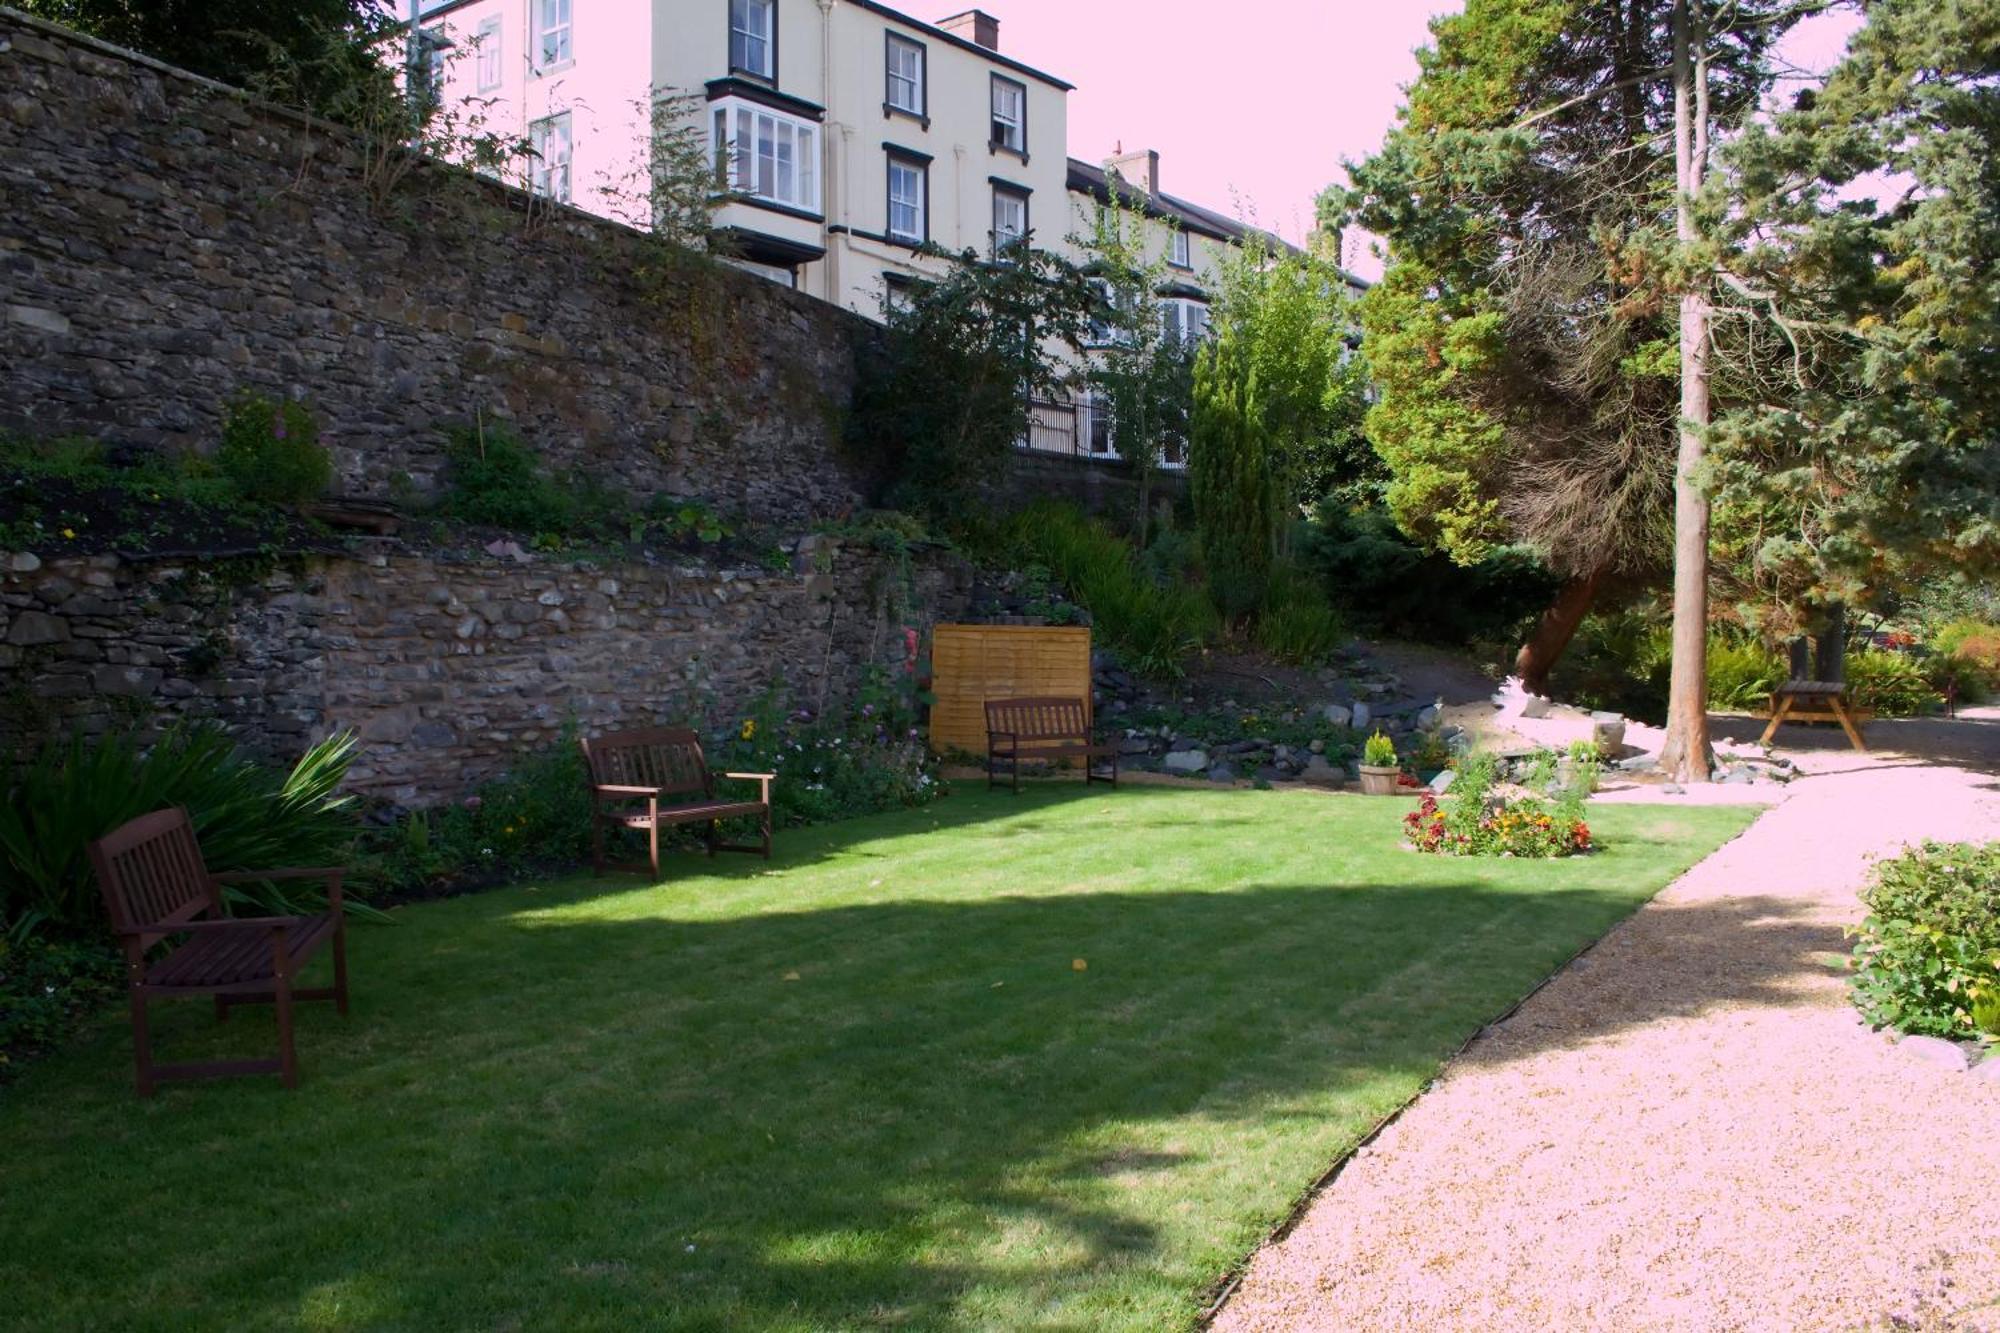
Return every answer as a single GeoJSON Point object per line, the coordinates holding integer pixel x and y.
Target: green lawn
{"type": "Point", "coordinates": [861, 1087]}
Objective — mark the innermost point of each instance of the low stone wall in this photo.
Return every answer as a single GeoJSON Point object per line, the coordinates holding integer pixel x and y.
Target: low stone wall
{"type": "Point", "coordinates": [1106, 489]}
{"type": "Point", "coordinates": [448, 665]}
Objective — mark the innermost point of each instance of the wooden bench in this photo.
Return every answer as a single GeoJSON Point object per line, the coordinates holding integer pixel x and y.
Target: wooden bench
{"type": "Point", "coordinates": [634, 779]}
{"type": "Point", "coordinates": [1046, 730]}
{"type": "Point", "coordinates": [1815, 701]}
{"type": "Point", "coordinates": [157, 887]}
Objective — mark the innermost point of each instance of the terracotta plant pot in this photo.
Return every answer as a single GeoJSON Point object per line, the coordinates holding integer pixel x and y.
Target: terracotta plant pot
{"type": "Point", "coordinates": [1380, 779]}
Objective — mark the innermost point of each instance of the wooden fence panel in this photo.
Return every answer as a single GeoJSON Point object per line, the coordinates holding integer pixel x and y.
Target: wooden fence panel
{"type": "Point", "coordinates": [973, 663]}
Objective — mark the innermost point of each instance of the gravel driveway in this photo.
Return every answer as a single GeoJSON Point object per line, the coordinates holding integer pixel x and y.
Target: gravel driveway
{"type": "Point", "coordinates": [1690, 1128]}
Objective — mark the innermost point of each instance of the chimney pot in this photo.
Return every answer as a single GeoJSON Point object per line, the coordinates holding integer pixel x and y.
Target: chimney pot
{"type": "Point", "coordinates": [976, 26]}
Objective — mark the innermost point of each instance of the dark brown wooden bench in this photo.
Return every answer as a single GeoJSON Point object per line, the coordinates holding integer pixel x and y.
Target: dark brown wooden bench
{"type": "Point", "coordinates": [1815, 701]}
{"type": "Point", "coordinates": [1043, 730]}
{"type": "Point", "coordinates": [635, 777]}
{"type": "Point", "coordinates": [157, 887]}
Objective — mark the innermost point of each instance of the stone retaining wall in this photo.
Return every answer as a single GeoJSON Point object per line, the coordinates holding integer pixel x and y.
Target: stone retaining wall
{"type": "Point", "coordinates": [448, 665]}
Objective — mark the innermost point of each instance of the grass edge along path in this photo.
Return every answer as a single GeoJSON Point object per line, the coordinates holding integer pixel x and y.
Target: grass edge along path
{"type": "Point", "coordinates": [866, 1086]}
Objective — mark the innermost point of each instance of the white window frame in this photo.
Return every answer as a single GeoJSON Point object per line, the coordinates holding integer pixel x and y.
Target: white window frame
{"type": "Point", "coordinates": [920, 94]}
{"type": "Point", "coordinates": [741, 25]}
{"type": "Point", "coordinates": [432, 43]}
{"type": "Point", "coordinates": [1009, 132]}
{"type": "Point", "coordinates": [1095, 408]}
{"type": "Point", "coordinates": [1012, 196]}
{"type": "Point", "coordinates": [1183, 251]}
{"type": "Point", "coordinates": [487, 55]}
{"type": "Point", "coordinates": [920, 206]}
{"type": "Point", "coordinates": [555, 30]}
{"type": "Point", "coordinates": [739, 139]}
{"type": "Point", "coordinates": [1183, 318]}
{"type": "Point", "coordinates": [549, 170]}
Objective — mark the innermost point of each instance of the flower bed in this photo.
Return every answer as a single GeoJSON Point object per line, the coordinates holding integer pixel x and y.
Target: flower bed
{"type": "Point", "coordinates": [1473, 821]}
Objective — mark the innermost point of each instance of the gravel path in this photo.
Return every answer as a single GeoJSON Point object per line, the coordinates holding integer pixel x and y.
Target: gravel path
{"type": "Point", "coordinates": [1689, 1128]}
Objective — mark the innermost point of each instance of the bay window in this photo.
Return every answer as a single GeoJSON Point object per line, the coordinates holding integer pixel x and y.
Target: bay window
{"type": "Point", "coordinates": [766, 154]}
{"type": "Point", "coordinates": [1184, 319]}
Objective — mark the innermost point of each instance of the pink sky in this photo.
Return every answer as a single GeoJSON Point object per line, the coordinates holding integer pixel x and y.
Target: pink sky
{"type": "Point", "coordinates": [1258, 109]}
{"type": "Point", "coordinates": [1252, 114]}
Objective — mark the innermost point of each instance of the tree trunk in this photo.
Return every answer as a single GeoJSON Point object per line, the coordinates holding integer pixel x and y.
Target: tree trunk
{"type": "Point", "coordinates": [1538, 656]}
{"type": "Point", "coordinates": [1686, 756]}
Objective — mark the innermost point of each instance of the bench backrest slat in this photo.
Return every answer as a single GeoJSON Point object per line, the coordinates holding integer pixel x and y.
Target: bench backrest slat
{"type": "Point", "coordinates": [1038, 719]}
{"type": "Point", "coordinates": [151, 873]}
{"type": "Point", "coordinates": [668, 758]}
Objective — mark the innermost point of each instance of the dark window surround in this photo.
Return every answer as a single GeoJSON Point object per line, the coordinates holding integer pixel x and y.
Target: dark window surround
{"type": "Point", "coordinates": [1021, 192]}
{"type": "Point", "coordinates": [909, 157]}
{"type": "Point", "coordinates": [1181, 234]}
{"type": "Point", "coordinates": [922, 115]}
{"type": "Point", "coordinates": [729, 54]}
{"type": "Point", "coordinates": [752, 91]}
{"type": "Point", "coordinates": [993, 145]}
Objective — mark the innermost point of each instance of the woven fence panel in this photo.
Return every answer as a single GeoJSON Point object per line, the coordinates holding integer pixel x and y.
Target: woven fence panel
{"type": "Point", "coordinates": [973, 663]}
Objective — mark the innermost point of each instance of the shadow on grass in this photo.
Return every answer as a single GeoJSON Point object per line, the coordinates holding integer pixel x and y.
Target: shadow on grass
{"type": "Point", "coordinates": [751, 1101]}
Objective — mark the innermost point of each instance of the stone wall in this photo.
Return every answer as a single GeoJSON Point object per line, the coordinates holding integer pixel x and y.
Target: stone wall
{"type": "Point", "coordinates": [448, 665]}
{"type": "Point", "coordinates": [1107, 489]}
{"type": "Point", "coordinates": [165, 242]}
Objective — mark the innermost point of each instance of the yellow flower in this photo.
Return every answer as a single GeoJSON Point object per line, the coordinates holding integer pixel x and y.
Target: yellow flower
{"type": "Point", "coordinates": [749, 728]}
{"type": "Point", "coordinates": [70, 533]}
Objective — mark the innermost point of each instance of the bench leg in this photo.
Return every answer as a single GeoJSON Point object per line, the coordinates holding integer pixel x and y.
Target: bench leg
{"type": "Point", "coordinates": [1847, 725]}
{"type": "Point", "coordinates": [142, 1045]}
{"type": "Point", "coordinates": [1778, 715]}
{"type": "Point", "coordinates": [767, 832]}
{"type": "Point", "coordinates": [653, 847]}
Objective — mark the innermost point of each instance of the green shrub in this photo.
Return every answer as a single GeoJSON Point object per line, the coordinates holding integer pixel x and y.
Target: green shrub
{"type": "Point", "coordinates": [71, 495]}
{"type": "Point", "coordinates": [1927, 957]}
{"type": "Point", "coordinates": [1378, 751]}
{"type": "Point", "coordinates": [1472, 822]}
{"type": "Point", "coordinates": [536, 816]}
{"type": "Point", "coordinates": [271, 450]}
{"type": "Point", "coordinates": [1967, 660]}
{"type": "Point", "coordinates": [247, 816]}
{"type": "Point", "coordinates": [45, 986]}
{"type": "Point", "coordinates": [1154, 626]}
{"type": "Point", "coordinates": [863, 757]}
{"type": "Point", "coordinates": [1889, 684]}
{"type": "Point", "coordinates": [1741, 675]}
{"type": "Point", "coordinates": [1296, 624]}
{"type": "Point", "coordinates": [498, 481]}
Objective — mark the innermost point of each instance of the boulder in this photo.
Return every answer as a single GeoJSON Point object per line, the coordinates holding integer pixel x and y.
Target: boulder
{"type": "Point", "coordinates": [1185, 761]}
{"type": "Point", "coordinates": [1222, 773]}
{"type": "Point", "coordinates": [1337, 715]}
{"type": "Point", "coordinates": [1360, 716]}
{"type": "Point", "coordinates": [1935, 1051]}
{"type": "Point", "coordinates": [1536, 706]}
{"type": "Point", "coordinates": [1442, 782]}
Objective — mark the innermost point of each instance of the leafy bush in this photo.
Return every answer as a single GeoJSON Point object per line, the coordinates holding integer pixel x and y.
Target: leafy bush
{"type": "Point", "coordinates": [1889, 684]}
{"type": "Point", "coordinates": [498, 481]}
{"type": "Point", "coordinates": [1388, 584]}
{"type": "Point", "coordinates": [1475, 823]}
{"type": "Point", "coordinates": [865, 757]}
{"type": "Point", "coordinates": [1153, 626]}
{"type": "Point", "coordinates": [271, 450]}
{"type": "Point", "coordinates": [45, 986]}
{"type": "Point", "coordinates": [1741, 675]}
{"type": "Point", "coordinates": [1379, 751]}
{"type": "Point", "coordinates": [247, 816]}
{"type": "Point", "coordinates": [1927, 957]}
{"type": "Point", "coordinates": [537, 816]}
{"type": "Point", "coordinates": [1296, 624]}
{"type": "Point", "coordinates": [1966, 660]}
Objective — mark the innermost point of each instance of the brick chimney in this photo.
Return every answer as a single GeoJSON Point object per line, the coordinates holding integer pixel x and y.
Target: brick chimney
{"type": "Point", "coordinates": [1139, 170]}
{"type": "Point", "coordinates": [976, 26]}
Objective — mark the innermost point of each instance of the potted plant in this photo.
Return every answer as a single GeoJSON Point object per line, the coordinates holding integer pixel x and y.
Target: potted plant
{"type": "Point", "coordinates": [1379, 769]}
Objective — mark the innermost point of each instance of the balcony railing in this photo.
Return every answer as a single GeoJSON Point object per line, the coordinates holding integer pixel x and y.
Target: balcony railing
{"type": "Point", "coordinates": [1057, 427]}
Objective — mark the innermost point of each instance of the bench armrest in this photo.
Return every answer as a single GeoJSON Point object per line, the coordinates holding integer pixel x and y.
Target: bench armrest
{"type": "Point", "coordinates": [258, 876]}
{"type": "Point", "coordinates": [763, 781]}
{"type": "Point", "coordinates": [992, 736]}
{"type": "Point", "coordinates": [222, 923]}
{"type": "Point", "coordinates": [605, 789]}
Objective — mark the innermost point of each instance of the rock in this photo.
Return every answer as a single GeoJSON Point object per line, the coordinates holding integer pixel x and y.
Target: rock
{"type": "Point", "coordinates": [36, 627]}
{"type": "Point", "coordinates": [1442, 782]}
{"type": "Point", "coordinates": [1935, 1051]}
{"type": "Point", "coordinates": [1185, 761]}
{"type": "Point", "coordinates": [1336, 715]}
{"type": "Point", "coordinates": [1322, 774]}
{"type": "Point", "coordinates": [126, 680]}
{"type": "Point", "coordinates": [1536, 706]}
{"type": "Point", "coordinates": [1638, 763]}
{"type": "Point", "coordinates": [1135, 745]}
{"type": "Point", "coordinates": [1360, 716]}
{"type": "Point", "coordinates": [1608, 730]}
{"type": "Point", "coordinates": [1988, 1070]}
{"type": "Point", "coordinates": [1222, 773]}
{"type": "Point", "coordinates": [1740, 775]}
{"type": "Point", "coordinates": [1317, 747]}
{"type": "Point", "coordinates": [1673, 789]}
{"type": "Point", "coordinates": [1427, 717]}
{"type": "Point", "coordinates": [24, 562]}
{"type": "Point", "coordinates": [1272, 773]}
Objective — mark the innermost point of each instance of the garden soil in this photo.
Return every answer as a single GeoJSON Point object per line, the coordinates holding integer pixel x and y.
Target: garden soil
{"type": "Point", "coordinates": [1690, 1128]}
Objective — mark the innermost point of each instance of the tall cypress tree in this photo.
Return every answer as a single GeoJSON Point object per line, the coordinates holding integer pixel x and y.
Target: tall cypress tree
{"type": "Point", "coordinates": [1232, 479]}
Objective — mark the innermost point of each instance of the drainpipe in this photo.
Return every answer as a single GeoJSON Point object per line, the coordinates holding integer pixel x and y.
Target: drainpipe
{"type": "Point", "coordinates": [833, 181]}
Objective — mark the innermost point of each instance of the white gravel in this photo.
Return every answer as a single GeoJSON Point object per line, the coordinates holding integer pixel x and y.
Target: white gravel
{"type": "Point", "coordinates": [1690, 1128]}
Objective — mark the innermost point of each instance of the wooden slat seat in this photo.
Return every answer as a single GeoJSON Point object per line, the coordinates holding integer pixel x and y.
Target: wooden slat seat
{"type": "Point", "coordinates": [232, 957]}
{"type": "Point", "coordinates": [159, 894]}
{"type": "Point", "coordinates": [635, 778]}
{"type": "Point", "coordinates": [1043, 729]}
